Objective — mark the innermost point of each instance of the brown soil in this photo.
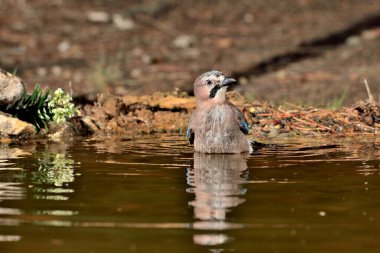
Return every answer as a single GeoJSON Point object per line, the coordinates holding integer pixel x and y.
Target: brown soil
{"type": "Point", "coordinates": [304, 51]}
{"type": "Point", "coordinates": [132, 116]}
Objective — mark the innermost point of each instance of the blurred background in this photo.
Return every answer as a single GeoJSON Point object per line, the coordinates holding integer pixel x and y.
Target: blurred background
{"type": "Point", "coordinates": [314, 52]}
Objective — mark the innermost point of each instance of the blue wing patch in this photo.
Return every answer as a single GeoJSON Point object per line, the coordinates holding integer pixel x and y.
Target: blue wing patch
{"type": "Point", "coordinates": [244, 126]}
{"type": "Point", "coordinates": [190, 135]}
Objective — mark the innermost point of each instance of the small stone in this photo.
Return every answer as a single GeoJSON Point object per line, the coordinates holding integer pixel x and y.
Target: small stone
{"type": "Point", "coordinates": [146, 59]}
{"type": "Point", "coordinates": [123, 23]}
{"type": "Point", "coordinates": [64, 46]}
{"type": "Point", "coordinates": [248, 18]}
{"type": "Point", "coordinates": [89, 123]}
{"type": "Point", "coordinates": [11, 88]}
{"type": "Point", "coordinates": [56, 70]}
{"type": "Point", "coordinates": [353, 40]}
{"type": "Point", "coordinates": [41, 71]}
{"type": "Point", "coordinates": [371, 34]}
{"type": "Point", "coordinates": [98, 16]}
{"type": "Point", "coordinates": [183, 41]}
{"type": "Point", "coordinates": [14, 127]}
{"type": "Point", "coordinates": [223, 43]}
{"type": "Point", "coordinates": [136, 73]}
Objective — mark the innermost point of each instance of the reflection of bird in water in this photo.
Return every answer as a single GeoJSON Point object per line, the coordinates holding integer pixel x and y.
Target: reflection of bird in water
{"type": "Point", "coordinates": [216, 182]}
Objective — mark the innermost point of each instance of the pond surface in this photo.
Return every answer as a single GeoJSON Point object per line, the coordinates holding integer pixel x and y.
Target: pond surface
{"type": "Point", "coordinates": [155, 195]}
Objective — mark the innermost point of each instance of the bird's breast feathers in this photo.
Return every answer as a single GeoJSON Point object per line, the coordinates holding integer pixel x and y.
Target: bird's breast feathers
{"type": "Point", "coordinates": [218, 123]}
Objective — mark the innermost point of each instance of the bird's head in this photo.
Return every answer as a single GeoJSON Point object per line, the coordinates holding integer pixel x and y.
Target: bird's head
{"type": "Point", "coordinates": [212, 86]}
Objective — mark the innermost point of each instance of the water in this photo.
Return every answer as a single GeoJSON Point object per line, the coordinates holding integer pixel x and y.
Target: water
{"type": "Point", "coordinates": [155, 195]}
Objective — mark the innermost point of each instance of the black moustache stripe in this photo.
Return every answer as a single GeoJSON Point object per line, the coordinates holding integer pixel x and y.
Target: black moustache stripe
{"type": "Point", "coordinates": [214, 91]}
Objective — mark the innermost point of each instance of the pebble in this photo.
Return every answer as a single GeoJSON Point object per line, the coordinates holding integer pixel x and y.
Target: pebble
{"type": "Point", "coordinates": [183, 41]}
{"type": "Point", "coordinates": [56, 70]}
{"type": "Point", "coordinates": [89, 123]}
{"type": "Point", "coordinates": [353, 41]}
{"type": "Point", "coordinates": [136, 73]}
{"type": "Point", "coordinates": [98, 16]}
{"type": "Point", "coordinates": [123, 23]}
{"type": "Point", "coordinates": [64, 46]}
{"type": "Point", "coordinates": [371, 34]}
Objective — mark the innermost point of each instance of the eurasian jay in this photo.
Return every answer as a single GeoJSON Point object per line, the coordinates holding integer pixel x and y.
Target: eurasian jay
{"type": "Point", "coordinates": [216, 125]}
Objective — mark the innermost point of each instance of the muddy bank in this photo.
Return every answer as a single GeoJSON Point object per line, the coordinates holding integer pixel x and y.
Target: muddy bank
{"type": "Point", "coordinates": [132, 116]}
{"type": "Point", "coordinates": [55, 115]}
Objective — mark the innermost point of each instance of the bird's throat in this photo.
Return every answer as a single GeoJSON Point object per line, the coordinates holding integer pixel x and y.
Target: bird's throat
{"type": "Point", "coordinates": [218, 94]}
{"type": "Point", "coordinates": [214, 91]}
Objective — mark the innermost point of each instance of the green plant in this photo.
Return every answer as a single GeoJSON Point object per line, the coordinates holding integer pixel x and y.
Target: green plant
{"type": "Point", "coordinates": [61, 106]}
{"type": "Point", "coordinates": [251, 98]}
{"type": "Point", "coordinates": [39, 108]}
{"type": "Point", "coordinates": [32, 108]}
{"type": "Point", "coordinates": [338, 101]}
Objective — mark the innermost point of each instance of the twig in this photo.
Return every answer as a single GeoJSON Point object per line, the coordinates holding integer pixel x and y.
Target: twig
{"type": "Point", "coordinates": [296, 106]}
{"type": "Point", "coordinates": [317, 124]}
{"type": "Point", "coordinates": [311, 123]}
{"type": "Point", "coordinates": [302, 128]}
{"type": "Point", "coordinates": [370, 97]}
{"type": "Point", "coordinates": [288, 114]}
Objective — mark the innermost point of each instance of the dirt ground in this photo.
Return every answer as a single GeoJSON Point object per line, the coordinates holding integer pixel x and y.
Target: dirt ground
{"type": "Point", "coordinates": [132, 116]}
{"type": "Point", "coordinates": [315, 52]}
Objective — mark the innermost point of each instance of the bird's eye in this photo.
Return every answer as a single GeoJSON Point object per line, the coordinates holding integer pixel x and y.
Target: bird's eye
{"type": "Point", "coordinates": [208, 82]}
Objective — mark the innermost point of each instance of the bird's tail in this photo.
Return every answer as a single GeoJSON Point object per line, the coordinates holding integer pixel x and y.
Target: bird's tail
{"type": "Point", "coordinates": [255, 145]}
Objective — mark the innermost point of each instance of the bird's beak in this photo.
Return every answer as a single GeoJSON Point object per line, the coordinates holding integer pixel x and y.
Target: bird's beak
{"type": "Point", "coordinates": [227, 82]}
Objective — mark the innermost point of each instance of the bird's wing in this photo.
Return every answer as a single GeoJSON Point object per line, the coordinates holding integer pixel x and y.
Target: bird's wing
{"type": "Point", "coordinates": [190, 133]}
{"type": "Point", "coordinates": [244, 127]}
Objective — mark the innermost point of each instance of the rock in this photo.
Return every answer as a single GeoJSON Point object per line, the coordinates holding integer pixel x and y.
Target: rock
{"type": "Point", "coordinates": [183, 41]}
{"type": "Point", "coordinates": [11, 88]}
{"type": "Point", "coordinates": [223, 43]}
{"type": "Point", "coordinates": [136, 73]}
{"type": "Point", "coordinates": [353, 40]}
{"type": "Point", "coordinates": [14, 127]}
{"type": "Point", "coordinates": [123, 23]}
{"type": "Point", "coordinates": [98, 16]}
{"type": "Point", "coordinates": [248, 18]}
{"type": "Point", "coordinates": [64, 46]}
{"type": "Point", "coordinates": [56, 70]}
{"type": "Point", "coordinates": [371, 34]}
{"type": "Point", "coordinates": [41, 71]}
{"type": "Point", "coordinates": [89, 124]}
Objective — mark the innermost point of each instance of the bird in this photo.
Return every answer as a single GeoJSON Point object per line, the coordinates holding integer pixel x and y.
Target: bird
{"type": "Point", "coordinates": [216, 125]}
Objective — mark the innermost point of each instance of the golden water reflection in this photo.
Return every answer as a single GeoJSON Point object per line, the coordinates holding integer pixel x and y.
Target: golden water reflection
{"type": "Point", "coordinates": [217, 183]}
